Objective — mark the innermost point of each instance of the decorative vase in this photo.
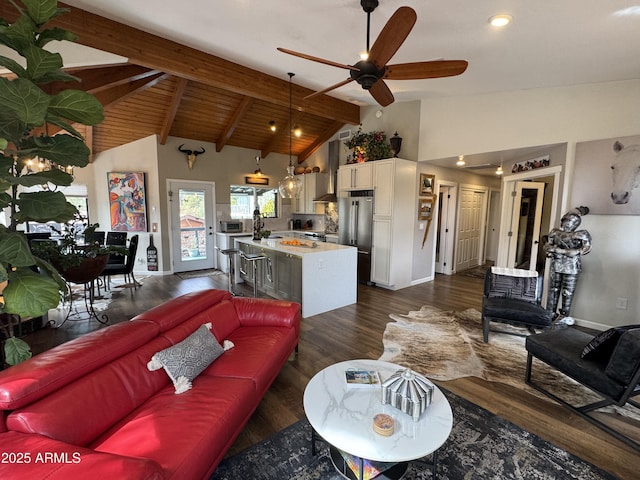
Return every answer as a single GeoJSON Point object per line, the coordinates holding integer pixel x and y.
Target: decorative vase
{"type": "Point", "coordinates": [396, 144]}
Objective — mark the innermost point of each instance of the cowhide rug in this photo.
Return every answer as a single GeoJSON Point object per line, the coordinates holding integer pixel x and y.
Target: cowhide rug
{"type": "Point", "coordinates": [445, 345]}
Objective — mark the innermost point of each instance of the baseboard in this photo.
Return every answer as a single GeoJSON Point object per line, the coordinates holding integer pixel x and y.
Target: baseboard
{"type": "Point", "coordinates": [422, 280]}
{"type": "Point", "coordinates": [592, 325]}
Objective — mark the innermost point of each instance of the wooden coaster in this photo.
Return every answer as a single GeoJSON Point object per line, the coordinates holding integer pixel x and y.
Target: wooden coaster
{"type": "Point", "coordinates": [383, 424]}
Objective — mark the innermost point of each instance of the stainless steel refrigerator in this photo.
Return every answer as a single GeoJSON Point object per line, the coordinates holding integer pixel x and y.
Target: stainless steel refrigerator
{"type": "Point", "coordinates": [355, 228]}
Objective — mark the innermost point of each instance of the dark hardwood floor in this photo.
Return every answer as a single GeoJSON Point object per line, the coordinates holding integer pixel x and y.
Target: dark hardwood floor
{"type": "Point", "coordinates": [356, 332]}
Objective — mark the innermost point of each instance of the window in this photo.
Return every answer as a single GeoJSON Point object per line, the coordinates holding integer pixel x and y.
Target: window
{"type": "Point", "coordinates": [243, 200]}
{"type": "Point", "coordinates": [77, 196]}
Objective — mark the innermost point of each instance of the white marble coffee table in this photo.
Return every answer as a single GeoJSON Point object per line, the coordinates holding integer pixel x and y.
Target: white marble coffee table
{"type": "Point", "coordinates": [342, 416]}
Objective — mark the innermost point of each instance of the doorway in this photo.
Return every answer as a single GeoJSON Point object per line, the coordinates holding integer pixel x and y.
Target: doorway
{"type": "Point", "coordinates": [445, 227]}
{"type": "Point", "coordinates": [525, 225]}
{"type": "Point", "coordinates": [493, 226]}
{"type": "Point", "coordinates": [192, 214]}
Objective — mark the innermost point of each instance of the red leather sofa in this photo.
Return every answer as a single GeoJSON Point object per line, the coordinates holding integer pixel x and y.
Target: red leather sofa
{"type": "Point", "coordinates": [91, 408]}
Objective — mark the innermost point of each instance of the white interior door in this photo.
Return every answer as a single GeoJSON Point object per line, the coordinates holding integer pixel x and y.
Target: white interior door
{"type": "Point", "coordinates": [192, 211]}
{"type": "Point", "coordinates": [524, 237]}
{"type": "Point", "coordinates": [471, 220]}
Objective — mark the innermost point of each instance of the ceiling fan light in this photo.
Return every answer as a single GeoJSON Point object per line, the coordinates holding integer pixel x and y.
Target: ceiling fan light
{"type": "Point", "coordinates": [461, 161]}
{"type": "Point", "coordinates": [500, 20]}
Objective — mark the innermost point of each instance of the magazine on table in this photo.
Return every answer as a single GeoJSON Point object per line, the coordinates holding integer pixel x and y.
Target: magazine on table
{"type": "Point", "coordinates": [362, 378]}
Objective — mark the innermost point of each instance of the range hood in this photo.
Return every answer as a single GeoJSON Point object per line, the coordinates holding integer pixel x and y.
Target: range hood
{"type": "Point", "coordinates": [334, 155]}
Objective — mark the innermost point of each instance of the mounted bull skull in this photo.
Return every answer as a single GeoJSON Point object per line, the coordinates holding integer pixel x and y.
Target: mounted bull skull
{"type": "Point", "coordinates": [191, 155]}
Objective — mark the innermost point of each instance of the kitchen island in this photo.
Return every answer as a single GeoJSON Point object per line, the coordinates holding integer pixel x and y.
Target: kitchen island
{"type": "Point", "coordinates": [321, 277]}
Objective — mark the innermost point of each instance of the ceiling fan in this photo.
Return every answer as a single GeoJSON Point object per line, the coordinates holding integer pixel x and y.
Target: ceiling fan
{"type": "Point", "coordinates": [371, 72]}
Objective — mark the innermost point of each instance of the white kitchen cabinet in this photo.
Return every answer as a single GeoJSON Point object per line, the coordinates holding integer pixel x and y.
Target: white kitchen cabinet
{"type": "Point", "coordinates": [313, 185]}
{"type": "Point", "coordinates": [383, 181]}
{"type": "Point", "coordinates": [355, 176]}
{"type": "Point", "coordinates": [394, 218]}
{"type": "Point", "coordinates": [381, 252]}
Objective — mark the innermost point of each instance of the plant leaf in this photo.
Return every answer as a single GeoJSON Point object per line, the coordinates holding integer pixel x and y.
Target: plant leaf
{"type": "Point", "coordinates": [15, 250]}
{"type": "Point", "coordinates": [16, 350]}
{"type": "Point", "coordinates": [56, 33]}
{"type": "Point", "coordinates": [77, 106]}
{"type": "Point", "coordinates": [43, 206]}
{"type": "Point", "coordinates": [55, 176]}
{"type": "Point", "coordinates": [30, 294]}
{"type": "Point", "coordinates": [40, 62]}
{"type": "Point", "coordinates": [13, 66]}
{"type": "Point", "coordinates": [27, 102]}
{"type": "Point", "coordinates": [66, 126]}
{"type": "Point", "coordinates": [62, 149]}
{"type": "Point", "coordinates": [41, 11]}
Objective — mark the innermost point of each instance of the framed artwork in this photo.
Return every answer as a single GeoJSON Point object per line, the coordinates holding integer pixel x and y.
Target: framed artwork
{"type": "Point", "coordinates": [606, 176]}
{"type": "Point", "coordinates": [127, 201]}
{"type": "Point", "coordinates": [425, 208]}
{"type": "Point", "coordinates": [426, 184]}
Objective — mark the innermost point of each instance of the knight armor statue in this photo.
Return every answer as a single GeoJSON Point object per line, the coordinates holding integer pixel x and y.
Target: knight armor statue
{"type": "Point", "coordinates": [565, 247]}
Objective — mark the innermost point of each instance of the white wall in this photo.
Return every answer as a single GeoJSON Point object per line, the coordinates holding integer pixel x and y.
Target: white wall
{"type": "Point", "coordinates": [527, 118]}
{"type": "Point", "coordinates": [138, 156]}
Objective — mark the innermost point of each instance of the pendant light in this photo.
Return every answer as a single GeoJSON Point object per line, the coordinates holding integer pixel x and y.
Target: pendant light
{"type": "Point", "coordinates": [290, 186]}
{"type": "Point", "coordinates": [258, 171]}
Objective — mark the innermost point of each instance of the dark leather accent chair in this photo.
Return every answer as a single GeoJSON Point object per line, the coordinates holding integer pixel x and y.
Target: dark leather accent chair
{"type": "Point", "coordinates": [513, 296]}
{"type": "Point", "coordinates": [126, 268]}
{"type": "Point", "coordinates": [608, 364]}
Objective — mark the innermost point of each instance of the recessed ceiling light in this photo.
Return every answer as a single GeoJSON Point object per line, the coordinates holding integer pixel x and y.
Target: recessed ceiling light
{"type": "Point", "coordinates": [500, 20]}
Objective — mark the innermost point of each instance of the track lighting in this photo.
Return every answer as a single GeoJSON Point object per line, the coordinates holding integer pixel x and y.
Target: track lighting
{"type": "Point", "coordinates": [272, 126]}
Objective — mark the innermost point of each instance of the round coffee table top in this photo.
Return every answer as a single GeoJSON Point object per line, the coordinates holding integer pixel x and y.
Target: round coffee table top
{"type": "Point", "coordinates": [343, 416]}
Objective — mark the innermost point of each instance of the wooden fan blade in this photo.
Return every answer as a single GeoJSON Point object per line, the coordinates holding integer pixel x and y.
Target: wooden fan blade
{"type": "Point", "coordinates": [317, 59]}
{"type": "Point", "coordinates": [328, 89]}
{"type": "Point", "coordinates": [421, 70]}
{"type": "Point", "coordinates": [392, 36]}
{"type": "Point", "coordinates": [381, 93]}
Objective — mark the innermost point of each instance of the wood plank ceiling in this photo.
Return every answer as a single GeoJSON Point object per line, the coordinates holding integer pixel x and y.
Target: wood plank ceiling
{"type": "Point", "coordinates": [170, 89]}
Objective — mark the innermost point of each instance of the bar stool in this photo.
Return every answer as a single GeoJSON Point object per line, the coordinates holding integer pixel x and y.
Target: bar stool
{"type": "Point", "coordinates": [253, 258]}
{"type": "Point", "coordinates": [231, 255]}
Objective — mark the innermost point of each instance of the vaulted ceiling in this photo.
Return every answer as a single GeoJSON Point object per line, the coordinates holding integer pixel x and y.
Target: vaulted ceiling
{"type": "Point", "coordinates": [170, 89]}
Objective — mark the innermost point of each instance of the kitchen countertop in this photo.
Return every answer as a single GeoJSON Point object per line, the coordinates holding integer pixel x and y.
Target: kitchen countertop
{"type": "Point", "coordinates": [276, 244]}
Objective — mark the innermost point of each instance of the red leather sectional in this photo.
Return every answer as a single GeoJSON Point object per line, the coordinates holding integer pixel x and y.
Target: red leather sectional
{"type": "Point", "coordinates": [90, 408]}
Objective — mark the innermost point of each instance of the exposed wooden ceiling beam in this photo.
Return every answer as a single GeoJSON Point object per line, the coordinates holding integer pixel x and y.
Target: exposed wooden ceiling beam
{"type": "Point", "coordinates": [240, 112]}
{"type": "Point", "coordinates": [119, 93]}
{"type": "Point", "coordinates": [157, 53]}
{"type": "Point", "coordinates": [178, 93]}
{"type": "Point", "coordinates": [94, 80]}
{"type": "Point", "coordinates": [324, 137]}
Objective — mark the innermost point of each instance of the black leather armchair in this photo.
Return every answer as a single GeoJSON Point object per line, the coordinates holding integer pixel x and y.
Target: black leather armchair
{"type": "Point", "coordinates": [513, 296]}
{"type": "Point", "coordinates": [608, 364]}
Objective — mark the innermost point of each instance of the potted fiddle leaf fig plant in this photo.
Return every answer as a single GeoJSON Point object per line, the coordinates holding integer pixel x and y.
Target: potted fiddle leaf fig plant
{"type": "Point", "coordinates": [35, 124]}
